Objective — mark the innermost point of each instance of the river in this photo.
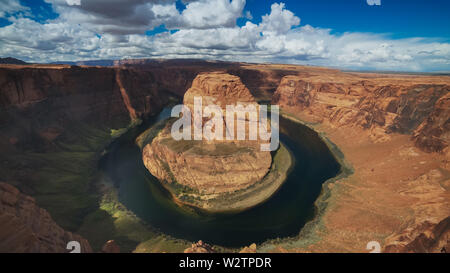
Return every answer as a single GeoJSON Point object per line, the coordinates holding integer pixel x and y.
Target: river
{"type": "Point", "coordinates": [283, 215]}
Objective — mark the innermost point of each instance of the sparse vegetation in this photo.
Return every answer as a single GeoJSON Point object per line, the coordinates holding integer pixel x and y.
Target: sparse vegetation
{"type": "Point", "coordinates": [61, 179]}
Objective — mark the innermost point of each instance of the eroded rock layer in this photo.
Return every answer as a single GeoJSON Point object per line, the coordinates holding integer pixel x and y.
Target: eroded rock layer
{"type": "Point", "coordinates": [26, 228]}
{"type": "Point", "coordinates": [381, 106]}
{"type": "Point", "coordinates": [207, 167]}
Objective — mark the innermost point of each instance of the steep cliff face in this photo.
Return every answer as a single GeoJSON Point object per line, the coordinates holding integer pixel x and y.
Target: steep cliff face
{"type": "Point", "coordinates": [382, 106]}
{"type": "Point", "coordinates": [26, 228]}
{"type": "Point", "coordinates": [218, 88]}
{"type": "Point", "coordinates": [37, 104]}
{"type": "Point", "coordinates": [79, 92]}
{"type": "Point", "coordinates": [207, 168]}
{"type": "Point", "coordinates": [433, 134]}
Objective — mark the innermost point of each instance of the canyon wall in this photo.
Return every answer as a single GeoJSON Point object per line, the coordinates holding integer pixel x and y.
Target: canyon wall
{"type": "Point", "coordinates": [26, 228]}
{"type": "Point", "coordinates": [417, 106]}
{"type": "Point", "coordinates": [37, 104]}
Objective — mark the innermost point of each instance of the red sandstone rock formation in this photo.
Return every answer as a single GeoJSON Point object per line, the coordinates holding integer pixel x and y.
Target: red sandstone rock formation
{"type": "Point", "coordinates": [210, 167]}
{"type": "Point", "coordinates": [218, 88]}
{"type": "Point", "coordinates": [381, 106]}
{"type": "Point", "coordinates": [200, 247]}
{"type": "Point", "coordinates": [433, 134]}
{"type": "Point", "coordinates": [24, 227]}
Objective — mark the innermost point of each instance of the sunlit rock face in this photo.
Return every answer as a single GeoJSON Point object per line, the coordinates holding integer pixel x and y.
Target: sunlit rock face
{"type": "Point", "coordinates": [214, 166]}
{"type": "Point", "coordinates": [381, 106]}
{"type": "Point", "coordinates": [219, 89]}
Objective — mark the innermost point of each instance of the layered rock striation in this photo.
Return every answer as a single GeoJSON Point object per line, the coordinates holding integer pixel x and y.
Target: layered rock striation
{"type": "Point", "coordinates": [27, 228]}
{"type": "Point", "coordinates": [381, 106]}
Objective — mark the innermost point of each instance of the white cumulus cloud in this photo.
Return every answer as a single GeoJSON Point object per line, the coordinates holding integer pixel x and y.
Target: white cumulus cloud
{"type": "Point", "coordinates": [115, 29]}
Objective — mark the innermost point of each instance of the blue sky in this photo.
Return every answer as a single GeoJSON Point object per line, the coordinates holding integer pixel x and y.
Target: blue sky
{"type": "Point", "coordinates": [401, 18]}
{"type": "Point", "coordinates": [410, 35]}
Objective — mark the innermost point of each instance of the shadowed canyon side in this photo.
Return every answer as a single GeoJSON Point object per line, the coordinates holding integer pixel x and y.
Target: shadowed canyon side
{"type": "Point", "coordinates": [26, 228]}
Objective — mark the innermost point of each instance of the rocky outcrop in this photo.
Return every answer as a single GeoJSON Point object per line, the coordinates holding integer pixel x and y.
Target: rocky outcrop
{"type": "Point", "coordinates": [382, 106]}
{"type": "Point", "coordinates": [219, 89]}
{"type": "Point", "coordinates": [433, 134]}
{"type": "Point", "coordinates": [206, 168]}
{"type": "Point", "coordinates": [24, 227]}
{"type": "Point", "coordinates": [209, 167]}
{"type": "Point", "coordinates": [200, 247]}
{"type": "Point", "coordinates": [426, 237]}
{"type": "Point", "coordinates": [249, 249]}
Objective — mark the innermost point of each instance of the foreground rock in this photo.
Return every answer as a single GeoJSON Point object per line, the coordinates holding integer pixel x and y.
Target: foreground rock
{"type": "Point", "coordinates": [200, 247]}
{"type": "Point", "coordinates": [249, 249]}
{"type": "Point", "coordinates": [26, 228]}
